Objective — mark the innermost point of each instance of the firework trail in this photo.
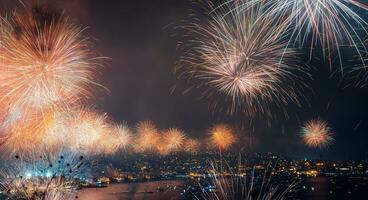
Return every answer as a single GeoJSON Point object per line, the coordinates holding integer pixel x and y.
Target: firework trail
{"type": "Point", "coordinates": [358, 75]}
{"type": "Point", "coordinates": [222, 137]}
{"type": "Point", "coordinates": [241, 55]}
{"type": "Point", "coordinates": [317, 134]}
{"type": "Point", "coordinates": [244, 186]}
{"type": "Point", "coordinates": [45, 61]}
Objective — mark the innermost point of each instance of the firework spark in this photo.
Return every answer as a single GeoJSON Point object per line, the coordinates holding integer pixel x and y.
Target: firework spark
{"type": "Point", "coordinates": [45, 60]}
{"type": "Point", "coordinates": [317, 134]}
{"type": "Point", "coordinates": [222, 137]}
{"type": "Point", "coordinates": [241, 54]}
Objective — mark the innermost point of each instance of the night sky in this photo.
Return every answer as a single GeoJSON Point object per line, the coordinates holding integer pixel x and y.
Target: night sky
{"type": "Point", "coordinates": [139, 38]}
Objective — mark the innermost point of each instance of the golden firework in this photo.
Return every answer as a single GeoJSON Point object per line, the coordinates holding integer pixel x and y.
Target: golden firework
{"type": "Point", "coordinates": [191, 145]}
{"type": "Point", "coordinates": [174, 139]}
{"type": "Point", "coordinates": [222, 137]}
{"type": "Point", "coordinates": [148, 137]}
{"type": "Point", "coordinates": [240, 57]}
{"type": "Point", "coordinates": [45, 60]}
{"type": "Point", "coordinates": [123, 136]}
{"type": "Point", "coordinates": [317, 134]}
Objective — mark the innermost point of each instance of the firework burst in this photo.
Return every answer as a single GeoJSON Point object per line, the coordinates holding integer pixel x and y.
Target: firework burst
{"type": "Point", "coordinates": [191, 145]}
{"type": "Point", "coordinates": [330, 24]}
{"type": "Point", "coordinates": [28, 132]}
{"type": "Point", "coordinates": [241, 55]}
{"type": "Point", "coordinates": [90, 132]}
{"type": "Point", "coordinates": [317, 134]}
{"type": "Point", "coordinates": [173, 140]}
{"type": "Point", "coordinates": [222, 137]}
{"type": "Point", "coordinates": [82, 130]}
{"type": "Point", "coordinates": [148, 137]}
{"type": "Point", "coordinates": [122, 137]}
{"type": "Point", "coordinates": [45, 60]}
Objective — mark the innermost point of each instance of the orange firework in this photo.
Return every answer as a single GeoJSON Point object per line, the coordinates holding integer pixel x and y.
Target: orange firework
{"type": "Point", "coordinates": [222, 137]}
{"type": "Point", "coordinates": [7, 119]}
{"type": "Point", "coordinates": [317, 134]}
{"type": "Point", "coordinates": [90, 132]}
{"type": "Point", "coordinates": [83, 130]}
{"type": "Point", "coordinates": [123, 136]}
{"type": "Point", "coordinates": [174, 139]}
{"type": "Point", "coordinates": [27, 133]}
{"type": "Point", "coordinates": [148, 137]}
{"type": "Point", "coordinates": [58, 133]}
{"type": "Point", "coordinates": [45, 60]}
{"type": "Point", "coordinates": [191, 145]}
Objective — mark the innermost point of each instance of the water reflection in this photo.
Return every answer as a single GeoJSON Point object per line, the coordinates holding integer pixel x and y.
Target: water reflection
{"type": "Point", "coordinates": [319, 188]}
{"type": "Point", "coordinates": [158, 190]}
